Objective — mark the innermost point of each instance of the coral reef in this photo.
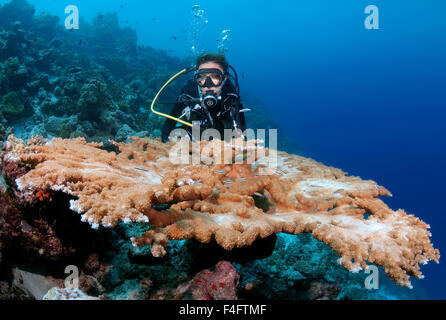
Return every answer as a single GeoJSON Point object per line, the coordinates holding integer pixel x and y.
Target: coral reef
{"type": "Point", "coordinates": [57, 293]}
{"type": "Point", "coordinates": [96, 78]}
{"type": "Point", "coordinates": [11, 105]}
{"type": "Point", "coordinates": [218, 284]}
{"type": "Point", "coordinates": [300, 264]}
{"type": "Point", "coordinates": [40, 229]}
{"type": "Point", "coordinates": [217, 201]}
{"type": "Point", "coordinates": [96, 83]}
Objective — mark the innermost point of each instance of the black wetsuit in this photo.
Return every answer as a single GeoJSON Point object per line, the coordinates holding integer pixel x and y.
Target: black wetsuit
{"type": "Point", "coordinates": [222, 116]}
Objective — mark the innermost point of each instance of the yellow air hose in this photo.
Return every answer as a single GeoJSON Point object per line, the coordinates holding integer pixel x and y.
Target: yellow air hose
{"type": "Point", "coordinates": [159, 92]}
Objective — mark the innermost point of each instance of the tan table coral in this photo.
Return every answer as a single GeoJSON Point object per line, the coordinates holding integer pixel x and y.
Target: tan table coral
{"type": "Point", "coordinates": [234, 203]}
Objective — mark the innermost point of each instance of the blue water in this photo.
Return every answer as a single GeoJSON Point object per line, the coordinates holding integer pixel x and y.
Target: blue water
{"type": "Point", "coordinates": [371, 102]}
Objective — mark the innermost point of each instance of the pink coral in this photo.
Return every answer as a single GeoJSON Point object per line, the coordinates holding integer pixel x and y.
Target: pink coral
{"type": "Point", "coordinates": [220, 283]}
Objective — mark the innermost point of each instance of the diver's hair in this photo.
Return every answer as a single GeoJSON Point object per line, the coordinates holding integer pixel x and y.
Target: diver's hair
{"type": "Point", "coordinates": [214, 57]}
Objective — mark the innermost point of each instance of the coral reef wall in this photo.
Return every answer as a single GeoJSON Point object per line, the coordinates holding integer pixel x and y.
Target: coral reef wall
{"type": "Point", "coordinates": [95, 82]}
{"type": "Point", "coordinates": [217, 201]}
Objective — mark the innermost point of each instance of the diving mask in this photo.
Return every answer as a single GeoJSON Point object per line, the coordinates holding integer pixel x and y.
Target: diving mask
{"type": "Point", "coordinates": [208, 78]}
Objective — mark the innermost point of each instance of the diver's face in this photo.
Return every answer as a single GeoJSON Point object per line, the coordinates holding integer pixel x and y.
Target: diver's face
{"type": "Point", "coordinates": [211, 65]}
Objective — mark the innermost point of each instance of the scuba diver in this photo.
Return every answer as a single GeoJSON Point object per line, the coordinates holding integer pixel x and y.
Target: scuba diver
{"type": "Point", "coordinates": [210, 98]}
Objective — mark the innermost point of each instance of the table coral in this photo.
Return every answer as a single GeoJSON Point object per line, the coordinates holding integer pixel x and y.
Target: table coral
{"type": "Point", "coordinates": [210, 200]}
